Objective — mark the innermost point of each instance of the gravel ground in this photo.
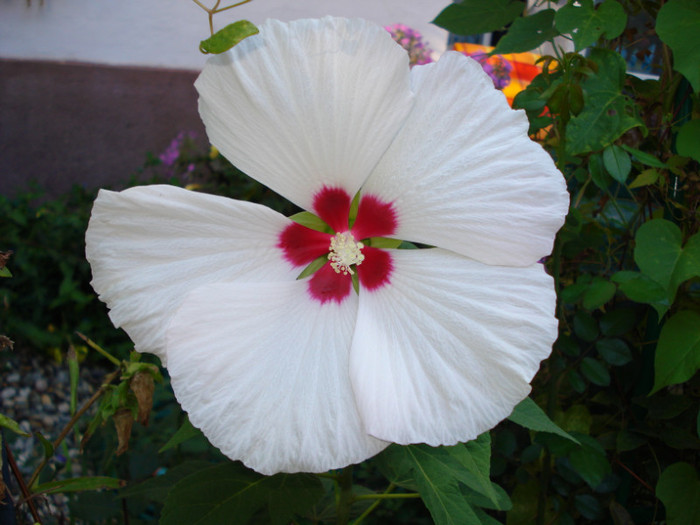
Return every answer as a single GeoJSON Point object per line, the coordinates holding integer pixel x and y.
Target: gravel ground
{"type": "Point", "coordinates": [35, 392]}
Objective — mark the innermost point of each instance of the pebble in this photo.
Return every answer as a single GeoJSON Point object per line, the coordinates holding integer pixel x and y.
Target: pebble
{"type": "Point", "coordinates": [35, 392]}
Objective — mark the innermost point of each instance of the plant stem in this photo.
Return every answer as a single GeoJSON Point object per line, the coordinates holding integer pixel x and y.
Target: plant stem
{"type": "Point", "coordinates": [22, 485]}
{"type": "Point", "coordinates": [108, 379]}
{"type": "Point", "coordinates": [92, 344]}
{"type": "Point", "coordinates": [345, 496]}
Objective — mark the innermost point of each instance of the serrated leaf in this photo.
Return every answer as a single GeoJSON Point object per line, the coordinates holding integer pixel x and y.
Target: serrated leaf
{"type": "Point", "coordinates": [607, 113]}
{"type": "Point", "coordinates": [475, 456]}
{"type": "Point", "coordinates": [587, 24]}
{"type": "Point", "coordinates": [676, 483]}
{"type": "Point", "coordinates": [529, 415]}
{"type": "Point", "coordinates": [677, 26]}
{"type": "Point", "coordinates": [229, 493]}
{"type": "Point", "coordinates": [678, 350]}
{"type": "Point", "coordinates": [229, 36]}
{"type": "Point", "coordinates": [527, 33]}
{"type": "Point", "coordinates": [79, 484]}
{"type": "Point", "coordinates": [472, 17]}
{"type": "Point", "coordinates": [186, 432]}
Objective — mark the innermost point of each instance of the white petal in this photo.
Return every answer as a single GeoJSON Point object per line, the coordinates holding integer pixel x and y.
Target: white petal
{"type": "Point", "coordinates": [150, 245]}
{"type": "Point", "coordinates": [463, 173]}
{"type": "Point", "coordinates": [447, 349]}
{"type": "Point", "coordinates": [307, 104]}
{"type": "Point", "coordinates": [262, 370]}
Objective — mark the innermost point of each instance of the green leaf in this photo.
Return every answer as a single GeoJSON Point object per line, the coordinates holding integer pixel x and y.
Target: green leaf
{"type": "Point", "coordinates": [229, 36]}
{"type": "Point", "coordinates": [74, 375]}
{"type": "Point", "coordinates": [472, 17]}
{"type": "Point", "coordinates": [78, 484]}
{"type": "Point", "coordinates": [158, 487]}
{"type": "Point", "coordinates": [589, 460]}
{"type": "Point", "coordinates": [617, 163]}
{"type": "Point", "coordinates": [643, 289]}
{"type": "Point", "coordinates": [527, 33]}
{"type": "Point", "coordinates": [585, 326]}
{"type": "Point", "coordinates": [675, 488]}
{"type": "Point", "coordinates": [475, 456]}
{"type": "Point", "coordinates": [614, 351]}
{"type": "Point", "coordinates": [436, 474]}
{"type": "Point", "coordinates": [5, 272]}
{"type": "Point", "coordinates": [599, 292]}
{"type": "Point", "coordinates": [595, 371]}
{"type": "Point", "coordinates": [660, 256]}
{"type": "Point", "coordinates": [677, 26]}
{"type": "Point", "coordinates": [12, 425]}
{"type": "Point", "coordinates": [607, 113]}
{"type": "Point", "coordinates": [645, 178]}
{"type": "Point", "coordinates": [184, 433]}
{"type": "Point", "coordinates": [645, 158]}
{"type": "Point", "coordinates": [229, 493]}
{"type": "Point", "coordinates": [688, 139]}
{"type": "Point", "coordinates": [618, 322]}
{"type": "Point", "coordinates": [308, 219]}
{"type": "Point", "coordinates": [529, 415]}
{"type": "Point", "coordinates": [678, 350]}
{"type": "Point", "coordinates": [587, 24]}
{"type": "Point", "coordinates": [46, 445]}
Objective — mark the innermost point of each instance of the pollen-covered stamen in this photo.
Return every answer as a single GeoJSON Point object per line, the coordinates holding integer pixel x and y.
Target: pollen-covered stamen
{"type": "Point", "coordinates": [344, 252]}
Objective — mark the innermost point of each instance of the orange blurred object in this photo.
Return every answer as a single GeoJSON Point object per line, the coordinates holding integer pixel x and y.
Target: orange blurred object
{"type": "Point", "coordinates": [511, 73]}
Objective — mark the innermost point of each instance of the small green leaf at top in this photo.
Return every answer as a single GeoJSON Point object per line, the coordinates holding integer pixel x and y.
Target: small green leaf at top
{"type": "Point", "coordinates": [186, 432]}
{"type": "Point", "coordinates": [472, 17]}
{"type": "Point", "coordinates": [529, 415]}
{"type": "Point", "coordinates": [597, 293]}
{"type": "Point", "coordinates": [678, 350]}
{"type": "Point", "coordinates": [229, 36]}
{"type": "Point", "coordinates": [676, 483]}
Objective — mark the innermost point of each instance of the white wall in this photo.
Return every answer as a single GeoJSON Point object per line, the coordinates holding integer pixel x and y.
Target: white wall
{"type": "Point", "coordinates": [166, 33]}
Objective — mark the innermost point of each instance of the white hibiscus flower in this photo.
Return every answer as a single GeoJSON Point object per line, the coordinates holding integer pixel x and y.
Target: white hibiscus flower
{"type": "Point", "coordinates": [292, 375]}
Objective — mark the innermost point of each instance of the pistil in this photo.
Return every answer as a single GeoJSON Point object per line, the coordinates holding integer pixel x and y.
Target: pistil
{"type": "Point", "coordinates": [345, 252]}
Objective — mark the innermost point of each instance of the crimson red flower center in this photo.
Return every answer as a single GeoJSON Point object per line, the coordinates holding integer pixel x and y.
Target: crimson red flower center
{"type": "Point", "coordinates": [346, 249]}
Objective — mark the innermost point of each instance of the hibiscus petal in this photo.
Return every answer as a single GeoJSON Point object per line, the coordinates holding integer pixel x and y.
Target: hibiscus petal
{"type": "Point", "coordinates": [463, 174]}
{"type": "Point", "coordinates": [262, 370]}
{"type": "Point", "coordinates": [150, 245]}
{"type": "Point", "coordinates": [308, 104]}
{"type": "Point", "coordinates": [447, 350]}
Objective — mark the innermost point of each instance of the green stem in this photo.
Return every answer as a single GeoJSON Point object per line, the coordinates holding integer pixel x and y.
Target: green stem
{"type": "Point", "coordinates": [92, 344]}
{"type": "Point", "coordinates": [388, 496]}
{"type": "Point", "coordinates": [345, 496]}
{"type": "Point", "coordinates": [374, 505]}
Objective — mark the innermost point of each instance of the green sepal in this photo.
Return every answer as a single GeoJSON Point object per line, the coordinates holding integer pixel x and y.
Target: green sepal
{"type": "Point", "coordinates": [311, 221]}
{"type": "Point", "coordinates": [229, 36]}
{"type": "Point", "coordinates": [383, 242]}
{"type": "Point", "coordinates": [354, 205]}
{"type": "Point", "coordinates": [355, 283]}
{"type": "Point", "coordinates": [315, 265]}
